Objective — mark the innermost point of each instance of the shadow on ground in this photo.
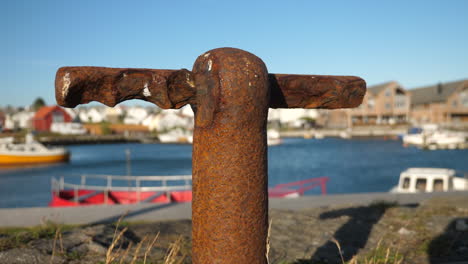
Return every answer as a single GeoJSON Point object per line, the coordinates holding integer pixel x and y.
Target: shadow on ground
{"type": "Point", "coordinates": [134, 213]}
{"type": "Point", "coordinates": [351, 236]}
{"type": "Point", "coordinates": [451, 245]}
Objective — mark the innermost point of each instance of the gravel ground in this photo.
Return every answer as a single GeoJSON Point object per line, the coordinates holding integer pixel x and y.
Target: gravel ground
{"type": "Point", "coordinates": [433, 231]}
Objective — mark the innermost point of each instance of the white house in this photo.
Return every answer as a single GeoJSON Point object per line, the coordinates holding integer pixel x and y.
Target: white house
{"type": "Point", "coordinates": [187, 111]}
{"type": "Point", "coordinates": [91, 115]}
{"type": "Point", "coordinates": [135, 115]}
{"type": "Point", "coordinates": [292, 117]}
{"type": "Point", "coordinates": [151, 122]}
{"type": "Point", "coordinates": [169, 119]}
{"type": "Point", "coordinates": [71, 112]}
{"type": "Point", "coordinates": [19, 120]}
{"type": "Point", "coordinates": [113, 114]}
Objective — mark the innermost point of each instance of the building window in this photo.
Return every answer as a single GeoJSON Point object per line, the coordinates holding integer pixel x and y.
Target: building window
{"type": "Point", "coordinates": [454, 103]}
{"type": "Point", "coordinates": [406, 182]}
{"type": "Point", "coordinates": [438, 185]}
{"type": "Point", "coordinates": [387, 106]}
{"type": "Point", "coordinates": [57, 117]}
{"type": "Point", "coordinates": [371, 103]}
{"type": "Point", "coordinates": [400, 101]}
{"type": "Point", "coordinates": [388, 92]}
{"type": "Point", "coordinates": [421, 185]}
{"type": "Point", "coordinates": [464, 98]}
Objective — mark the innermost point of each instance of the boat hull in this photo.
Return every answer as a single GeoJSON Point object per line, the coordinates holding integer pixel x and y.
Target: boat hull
{"type": "Point", "coordinates": [6, 159]}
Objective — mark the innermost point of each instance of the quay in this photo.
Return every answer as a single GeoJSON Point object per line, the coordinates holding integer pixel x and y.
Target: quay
{"type": "Point", "coordinates": [88, 139]}
{"type": "Point", "coordinates": [377, 131]}
{"type": "Point", "coordinates": [24, 217]}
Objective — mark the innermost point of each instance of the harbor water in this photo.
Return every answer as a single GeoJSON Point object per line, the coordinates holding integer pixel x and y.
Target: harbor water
{"type": "Point", "coordinates": [353, 166]}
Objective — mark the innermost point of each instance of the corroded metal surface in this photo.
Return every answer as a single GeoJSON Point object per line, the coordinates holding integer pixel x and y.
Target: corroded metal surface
{"type": "Point", "coordinates": [230, 92]}
{"type": "Point", "coordinates": [176, 88]}
{"type": "Point", "coordinates": [110, 86]}
{"type": "Point", "coordinates": [316, 91]}
{"type": "Point", "coordinates": [230, 199]}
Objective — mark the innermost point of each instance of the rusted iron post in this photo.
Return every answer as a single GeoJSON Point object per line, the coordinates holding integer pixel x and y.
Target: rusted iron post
{"type": "Point", "coordinates": [230, 91]}
{"type": "Point", "coordinates": [230, 201]}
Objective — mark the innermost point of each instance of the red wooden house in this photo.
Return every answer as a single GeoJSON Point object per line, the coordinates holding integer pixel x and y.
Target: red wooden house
{"type": "Point", "coordinates": [47, 115]}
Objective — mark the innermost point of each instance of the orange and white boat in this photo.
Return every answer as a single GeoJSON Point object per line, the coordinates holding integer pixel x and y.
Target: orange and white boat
{"type": "Point", "coordinates": [30, 152]}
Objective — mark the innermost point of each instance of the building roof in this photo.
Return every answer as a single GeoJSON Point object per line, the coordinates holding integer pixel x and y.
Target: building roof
{"type": "Point", "coordinates": [376, 89]}
{"type": "Point", "coordinates": [44, 111]}
{"type": "Point", "coordinates": [434, 93]}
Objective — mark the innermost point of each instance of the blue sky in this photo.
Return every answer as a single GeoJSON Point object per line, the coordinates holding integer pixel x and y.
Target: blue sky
{"type": "Point", "coordinates": [413, 42]}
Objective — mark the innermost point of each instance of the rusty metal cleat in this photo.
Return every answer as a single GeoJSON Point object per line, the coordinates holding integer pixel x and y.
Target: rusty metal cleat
{"type": "Point", "coordinates": [230, 92]}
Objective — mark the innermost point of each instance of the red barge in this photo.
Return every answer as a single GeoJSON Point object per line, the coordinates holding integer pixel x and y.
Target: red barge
{"type": "Point", "coordinates": [111, 189]}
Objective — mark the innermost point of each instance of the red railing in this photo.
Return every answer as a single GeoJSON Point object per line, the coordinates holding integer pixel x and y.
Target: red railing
{"type": "Point", "coordinates": [302, 186]}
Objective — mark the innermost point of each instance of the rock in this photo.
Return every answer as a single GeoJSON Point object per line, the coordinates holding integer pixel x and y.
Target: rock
{"type": "Point", "coordinates": [45, 246]}
{"type": "Point", "coordinates": [27, 256]}
{"type": "Point", "coordinates": [91, 247]}
{"type": "Point", "coordinates": [73, 239]}
{"type": "Point", "coordinates": [93, 230]}
{"type": "Point", "coordinates": [461, 225]}
{"type": "Point", "coordinates": [88, 260]}
{"type": "Point", "coordinates": [405, 232]}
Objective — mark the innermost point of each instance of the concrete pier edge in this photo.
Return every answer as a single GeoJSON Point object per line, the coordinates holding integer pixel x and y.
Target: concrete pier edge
{"type": "Point", "coordinates": [24, 217]}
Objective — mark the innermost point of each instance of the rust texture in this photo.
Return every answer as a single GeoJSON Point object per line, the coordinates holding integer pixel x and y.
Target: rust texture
{"type": "Point", "coordinates": [176, 88]}
{"type": "Point", "coordinates": [316, 91]}
{"type": "Point", "coordinates": [230, 92]}
{"type": "Point", "coordinates": [230, 200]}
{"type": "Point", "coordinates": [110, 86]}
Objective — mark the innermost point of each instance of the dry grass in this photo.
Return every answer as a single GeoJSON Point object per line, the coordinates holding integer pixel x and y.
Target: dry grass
{"type": "Point", "coordinates": [379, 255]}
{"type": "Point", "coordinates": [112, 254]}
{"type": "Point", "coordinates": [173, 251]}
{"type": "Point", "coordinates": [57, 237]}
{"type": "Point", "coordinates": [150, 246]}
{"type": "Point", "coordinates": [137, 249]}
{"type": "Point", "coordinates": [268, 242]}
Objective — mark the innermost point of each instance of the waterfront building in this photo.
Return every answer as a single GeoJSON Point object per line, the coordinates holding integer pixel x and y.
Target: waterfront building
{"type": "Point", "coordinates": [113, 114]}
{"type": "Point", "coordinates": [91, 115]}
{"type": "Point", "coordinates": [19, 120]}
{"type": "Point", "coordinates": [442, 103]}
{"type": "Point", "coordinates": [170, 119]}
{"type": "Point", "coordinates": [386, 103]}
{"type": "Point", "coordinates": [383, 104]}
{"type": "Point", "coordinates": [135, 115]}
{"type": "Point", "coordinates": [295, 118]}
{"type": "Point", "coordinates": [47, 115]}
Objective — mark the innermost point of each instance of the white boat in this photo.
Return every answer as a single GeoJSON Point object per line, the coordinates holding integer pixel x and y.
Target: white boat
{"type": "Point", "coordinates": [345, 134]}
{"type": "Point", "coordinates": [30, 152]}
{"type": "Point", "coordinates": [273, 137]}
{"type": "Point", "coordinates": [319, 135]}
{"type": "Point", "coordinates": [432, 138]}
{"type": "Point", "coordinates": [417, 180]}
{"type": "Point", "coordinates": [313, 134]}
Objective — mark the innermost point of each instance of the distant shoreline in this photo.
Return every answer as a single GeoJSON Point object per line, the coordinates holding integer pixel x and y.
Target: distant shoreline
{"type": "Point", "coordinates": [111, 139]}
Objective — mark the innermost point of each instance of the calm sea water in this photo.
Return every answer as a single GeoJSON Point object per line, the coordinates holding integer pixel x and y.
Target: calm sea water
{"type": "Point", "coordinates": [353, 166]}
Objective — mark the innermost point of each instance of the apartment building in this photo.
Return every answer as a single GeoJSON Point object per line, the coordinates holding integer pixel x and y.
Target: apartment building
{"type": "Point", "coordinates": [386, 103]}
{"type": "Point", "coordinates": [440, 103]}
